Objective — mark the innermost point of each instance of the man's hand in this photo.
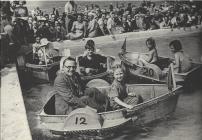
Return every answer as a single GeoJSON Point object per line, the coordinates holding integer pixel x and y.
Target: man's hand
{"type": "Point", "coordinates": [90, 70]}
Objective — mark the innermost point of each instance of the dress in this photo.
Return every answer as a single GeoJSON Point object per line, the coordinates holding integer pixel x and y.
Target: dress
{"type": "Point", "coordinates": [92, 28]}
{"type": "Point", "coordinates": [77, 30]}
{"type": "Point", "coordinates": [68, 91]}
{"type": "Point", "coordinates": [118, 89]}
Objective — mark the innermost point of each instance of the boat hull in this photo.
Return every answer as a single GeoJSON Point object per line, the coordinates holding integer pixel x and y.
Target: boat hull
{"type": "Point", "coordinates": [155, 107]}
{"type": "Point", "coordinates": [153, 73]}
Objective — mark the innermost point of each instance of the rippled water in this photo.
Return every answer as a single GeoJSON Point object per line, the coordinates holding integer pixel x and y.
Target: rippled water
{"type": "Point", "coordinates": [184, 124]}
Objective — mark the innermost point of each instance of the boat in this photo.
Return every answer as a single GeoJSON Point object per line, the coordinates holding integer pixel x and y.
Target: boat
{"type": "Point", "coordinates": [45, 72]}
{"type": "Point", "coordinates": [151, 72]}
{"type": "Point", "coordinates": [159, 101]}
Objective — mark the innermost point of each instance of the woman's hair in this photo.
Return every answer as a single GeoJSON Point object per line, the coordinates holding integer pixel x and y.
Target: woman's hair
{"type": "Point", "coordinates": [68, 59]}
{"type": "Point", "coordinates": [177, 46]}
{"type": "Point", "coordinates": [90, 44]}
{"type": "Point", "coordinates": [151, 41]}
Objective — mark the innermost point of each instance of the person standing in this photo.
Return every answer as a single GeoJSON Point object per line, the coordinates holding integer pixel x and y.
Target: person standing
{"type": "Point", "coordinates": [70, 8]}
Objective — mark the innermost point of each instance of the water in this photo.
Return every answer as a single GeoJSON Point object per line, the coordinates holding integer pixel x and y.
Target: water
{"type": "Point", "coordinates": [184, 124]}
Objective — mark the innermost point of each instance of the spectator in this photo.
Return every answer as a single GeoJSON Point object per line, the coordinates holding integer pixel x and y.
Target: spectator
{"type": "Point", "coordinates": [78, 30]}
{"type": "Point", "coordinates": [70, 7]}
{"type": "Point", "coordinates": [92, 26]}
{"type": "Point", "coordinates": [111, 24]}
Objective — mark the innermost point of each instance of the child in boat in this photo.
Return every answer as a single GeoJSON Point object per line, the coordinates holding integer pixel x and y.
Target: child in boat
{"type": "Point", "coordinates": [182, 62]}
{"type": "Point", "coordinates": [92, 63]}
{"type": "Point", "coordinates": [151, 56]}
{"type": "Point", "coordinates": [35, 48]}
{"type": "Point", "coordinates": [118, 93]}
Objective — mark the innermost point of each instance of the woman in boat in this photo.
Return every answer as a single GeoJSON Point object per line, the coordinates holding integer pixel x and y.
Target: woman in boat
{"type": "Point", "coordinates": [92, 63]}
{"type": "Point", "coordinates": [118, 93]}
{"type": "Point", "coordinates": [182, 62]}
{"type": "Point", "coordinates": [78, 30]}
{"type": "Point", "coordinates": [151, 56]}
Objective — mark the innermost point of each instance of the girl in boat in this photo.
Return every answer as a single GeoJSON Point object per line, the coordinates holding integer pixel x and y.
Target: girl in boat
{"type": "Point", "coordinates": [182, 62]}
{"type": "Point", "coordinates": [151, 56]}
{"type": "Point", "coordinates": [118, 93]}
{"type": "Point", "coordinates": [91, 63]}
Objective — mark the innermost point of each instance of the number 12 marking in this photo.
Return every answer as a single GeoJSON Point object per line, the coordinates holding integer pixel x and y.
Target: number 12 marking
{"type": "Point", "coordinates": [81, 120]}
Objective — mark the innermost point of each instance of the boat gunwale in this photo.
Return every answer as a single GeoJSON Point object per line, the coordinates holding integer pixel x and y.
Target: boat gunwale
{"type": "Point", "coordinates": [169, 93]}
{"type": "Point", "coordinates": [125, 61]}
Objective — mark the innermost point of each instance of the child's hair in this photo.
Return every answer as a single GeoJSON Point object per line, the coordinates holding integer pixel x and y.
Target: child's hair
{"type": "Point", "coordinates": [177, 46]}
{"type": "Point", "coordinates": [151, 41]}
{"type": "Point", "coordinates": [90, 44]}
{"type": "Point", "coordinates": [118, 66]}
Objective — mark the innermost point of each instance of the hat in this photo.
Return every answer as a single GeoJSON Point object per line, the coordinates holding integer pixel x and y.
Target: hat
{"type": "Point", "coordinates": [44, 42]}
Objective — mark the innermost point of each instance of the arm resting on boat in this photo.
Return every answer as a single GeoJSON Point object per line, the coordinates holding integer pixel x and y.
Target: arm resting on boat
{"type": "Point", "coordinates": [121, 103]}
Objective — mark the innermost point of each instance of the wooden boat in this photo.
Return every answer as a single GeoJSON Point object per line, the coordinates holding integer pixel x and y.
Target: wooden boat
{"type": "Point", "coordinates": [159, 101]}
{"type": "Point", "coordinates": [152, 72]}
{"type": "Point", "coordinates": [106, 74]}
{"type": "Point", "coordinates": [40, 72]}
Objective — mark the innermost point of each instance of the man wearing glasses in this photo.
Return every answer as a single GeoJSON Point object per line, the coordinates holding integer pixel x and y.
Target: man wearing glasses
{"type": "Point", "coordinates": [68, 88]}
{"type": "Point", "coordinates": [69, 91]}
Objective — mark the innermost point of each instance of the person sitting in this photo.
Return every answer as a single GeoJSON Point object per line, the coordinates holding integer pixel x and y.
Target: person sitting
{"type": "Point", "coordinates": [78, 30]}
{"type": "Point", "coordinates": [35, 48]}
{"type": "Point", "coordinates": [151, 57]}
{"type": "Point", "coordinates": [182, 62]}
{"type": "Point", "coordinates": [70, 94]}
{"type": "Point", "coordinates": [118, 93]}
{"type": "Point", "coordinates": [92, 26]}
{"type": "Point", "coordinates": [46, 54]}
{"type": "Point", "coordinates": [92, 63]}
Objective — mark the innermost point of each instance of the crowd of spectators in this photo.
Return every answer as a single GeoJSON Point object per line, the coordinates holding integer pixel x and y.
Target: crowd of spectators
{"type": "Point", "coordinates": [92, 21]}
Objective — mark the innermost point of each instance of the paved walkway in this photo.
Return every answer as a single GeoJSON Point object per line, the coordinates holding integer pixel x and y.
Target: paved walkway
{"type": "Point", "coordinates": [14, 124]}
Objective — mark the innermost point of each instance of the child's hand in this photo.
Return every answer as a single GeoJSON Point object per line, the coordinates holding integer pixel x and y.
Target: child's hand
{"type": "Point", "coordinates": [129, 106]}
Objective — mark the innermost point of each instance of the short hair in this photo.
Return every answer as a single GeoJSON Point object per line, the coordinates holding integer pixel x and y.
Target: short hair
{"type": "Point", "coordinates": [90, 44]}
{"type": "Point", "coordinates": [118, 66]}
{"type": "Point", "coordinates": [68, 59]}
{"type": "Point", "coordinates": [177, 46]}
{"type": "Point", "coordinates": [151, 41]}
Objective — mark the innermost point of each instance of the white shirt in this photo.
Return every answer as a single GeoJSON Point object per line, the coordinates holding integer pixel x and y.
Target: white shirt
{"type": "Point", "coordinates": [68, 8]}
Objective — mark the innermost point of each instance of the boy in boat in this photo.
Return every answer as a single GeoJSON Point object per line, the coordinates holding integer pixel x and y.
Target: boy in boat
{"type": "Point", "coordinates": [92, 63]}
{"type": "Point", "coordinates": [182, 62]}
{"type": "Point", "coordinates": [118, 93]}
{"type": "Point", "coordinates": [151, 56]}
{"type": "Point", "coordinates": [70, 94]}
